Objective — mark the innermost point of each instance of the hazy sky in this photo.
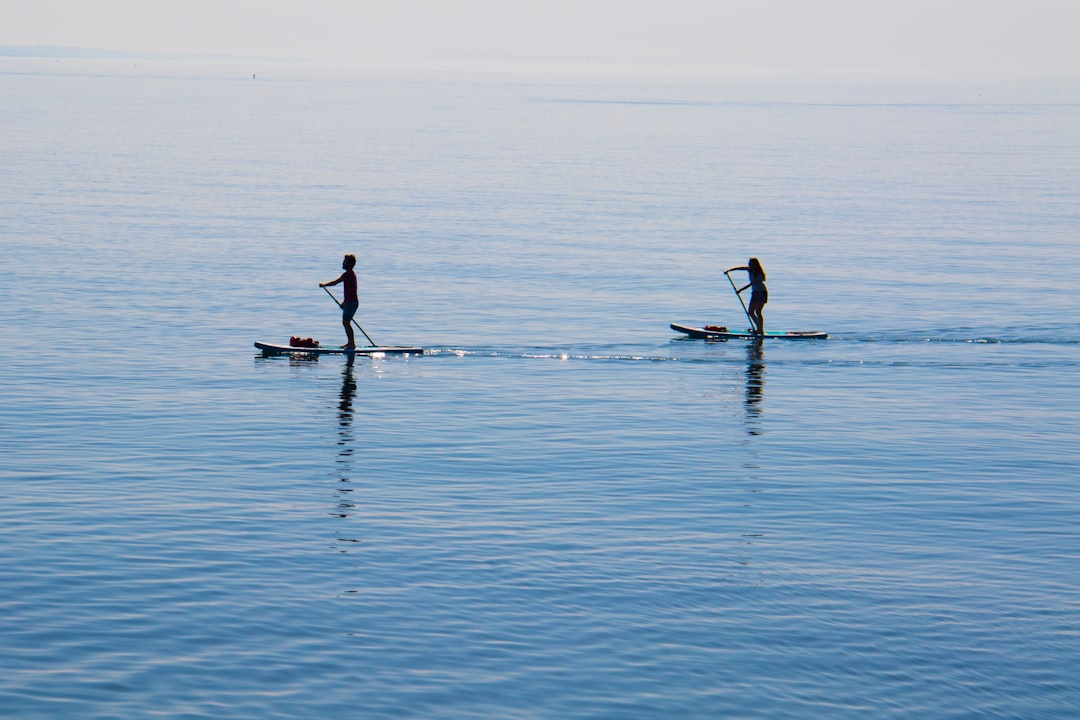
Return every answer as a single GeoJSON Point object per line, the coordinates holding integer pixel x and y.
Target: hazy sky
{"type": "Point", "coordinates": [993, 35]}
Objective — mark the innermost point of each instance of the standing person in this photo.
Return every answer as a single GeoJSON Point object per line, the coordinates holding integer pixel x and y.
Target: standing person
{"type": "Point", "coordinates": [351, 303]}
{"type": "Point", "coordinates": [759, 294]}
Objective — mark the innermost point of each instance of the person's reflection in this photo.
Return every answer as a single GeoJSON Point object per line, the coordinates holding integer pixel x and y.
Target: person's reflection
{"type": "Point", "coordinates": [755, 381]}
{"type": "Point", "coordinates": [345, 436]}
{"type": "Point", "coordinates": [348, 390]}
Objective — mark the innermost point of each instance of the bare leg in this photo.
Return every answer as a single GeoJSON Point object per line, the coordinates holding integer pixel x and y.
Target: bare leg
{"type": "Point", "coordinates": [757, 317]}
{"type": "Point", "coordinates": [349, 334]}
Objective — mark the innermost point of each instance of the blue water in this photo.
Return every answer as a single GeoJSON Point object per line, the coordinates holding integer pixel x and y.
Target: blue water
{"type": "Point", "coordinates": [561, 510]}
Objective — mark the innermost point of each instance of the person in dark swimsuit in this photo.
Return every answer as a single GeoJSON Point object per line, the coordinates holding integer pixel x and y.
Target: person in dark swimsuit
{"type": "Point", "coordinates": [351, 303]}
{"type": "Point", "coordinates": [759, 294]}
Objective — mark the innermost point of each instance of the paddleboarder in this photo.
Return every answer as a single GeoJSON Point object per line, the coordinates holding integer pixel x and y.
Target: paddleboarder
{"type": "Point", "coordinates": [351, 303]}
{"type": "Point", "coordinates": [759, 294]}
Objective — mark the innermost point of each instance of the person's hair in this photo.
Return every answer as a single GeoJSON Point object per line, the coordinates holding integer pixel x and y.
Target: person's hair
{"type": "Point", "coordinates": [755, 267]}
{"type": "Point", "coordinates": [350, 260]}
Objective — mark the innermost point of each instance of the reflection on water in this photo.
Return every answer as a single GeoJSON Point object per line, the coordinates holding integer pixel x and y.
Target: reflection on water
{"type": "Point", "coordinates": [345, 435]}
{"type": "Point", "coordinates": [755, 383]}
{"type": "Point", "coordinates": [345, 405]}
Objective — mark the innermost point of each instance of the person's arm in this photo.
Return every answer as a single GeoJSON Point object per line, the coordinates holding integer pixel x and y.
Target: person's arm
{"type": "Point", "coordinates": [333, 282]}
{"type": "Point", "coordinates": [741, 267]}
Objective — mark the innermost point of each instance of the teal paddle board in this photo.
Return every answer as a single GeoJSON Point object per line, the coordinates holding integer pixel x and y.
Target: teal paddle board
{"type": "Point", "coordinates": [273, 349]}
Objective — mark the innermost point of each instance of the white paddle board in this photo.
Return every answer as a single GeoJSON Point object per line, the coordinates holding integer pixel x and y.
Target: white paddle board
{"type": "Point", "coordinates": [700, 333]}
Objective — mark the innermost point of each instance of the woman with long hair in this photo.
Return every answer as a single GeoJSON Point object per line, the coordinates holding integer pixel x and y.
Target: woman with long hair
{"type": "Point", "coordinates": [759, 294]}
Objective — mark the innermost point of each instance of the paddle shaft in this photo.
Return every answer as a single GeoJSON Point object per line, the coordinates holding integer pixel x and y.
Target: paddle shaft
{"type": "Point", "coordinates": [744, 309]}
{"type": "Point", "coordinates": [353, 320]}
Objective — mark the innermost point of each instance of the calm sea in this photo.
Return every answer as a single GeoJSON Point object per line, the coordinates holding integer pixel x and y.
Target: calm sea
{"type": "Point", "coordinates": [561, 510]}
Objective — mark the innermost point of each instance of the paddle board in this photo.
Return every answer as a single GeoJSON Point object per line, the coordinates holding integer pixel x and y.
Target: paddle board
{"type": "Point", "coordinates": [272, 349]}
{"type": "Point", "coordinates": [699, 333]}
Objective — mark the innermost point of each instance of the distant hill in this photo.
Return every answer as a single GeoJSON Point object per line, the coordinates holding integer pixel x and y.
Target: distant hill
{"type": "Point", "coordinates": [59, 51]}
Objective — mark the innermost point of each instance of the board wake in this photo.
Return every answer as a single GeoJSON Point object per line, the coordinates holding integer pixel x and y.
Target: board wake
{"type": "Point", "coordinates": [274, 349]}
{"type": "Point", "coordinates": [722, 334]}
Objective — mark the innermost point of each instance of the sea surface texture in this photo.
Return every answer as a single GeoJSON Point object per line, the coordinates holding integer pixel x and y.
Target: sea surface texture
{"type": "Point", "coordinates": [562, 509]}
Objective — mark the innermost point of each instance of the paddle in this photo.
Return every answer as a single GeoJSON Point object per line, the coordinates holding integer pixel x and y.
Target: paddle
{"type": "Point", "coordinates": [753, 325]}
{"type": "Point", "coordinates": [354, 319]}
